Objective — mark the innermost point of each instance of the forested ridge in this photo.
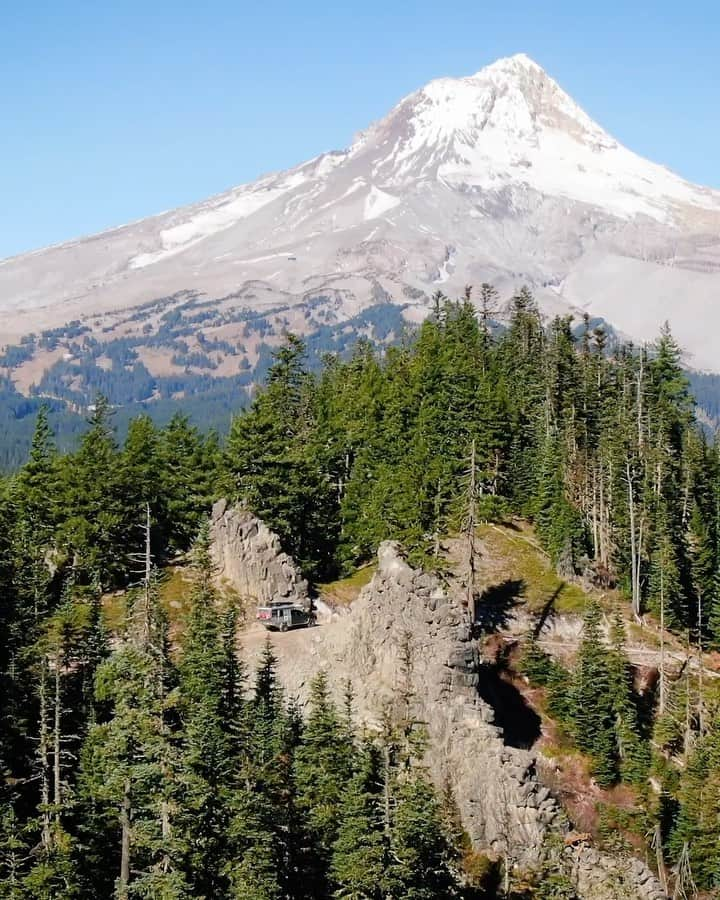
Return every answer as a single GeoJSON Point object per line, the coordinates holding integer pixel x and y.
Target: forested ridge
{"type": "Point", "coordinates": [136, 765]}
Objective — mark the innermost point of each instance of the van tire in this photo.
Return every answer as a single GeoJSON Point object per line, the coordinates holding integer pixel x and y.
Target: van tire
{"type": "Point", "coordinates": [283, 627]}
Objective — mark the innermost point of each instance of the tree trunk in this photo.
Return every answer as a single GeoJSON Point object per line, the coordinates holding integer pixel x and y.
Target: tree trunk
{"type": "Point", "coordinates": [57, 722]}
{"type": "Point", "coordinates": [659, 857]}
{"type": "Point", "coordinates": [638, 569]}
{"type": "Point", "coordinates": [594, 491]}
{"type": "Point", "coordinates": [147, 627]}
{"type": "Point", "coordinates": [471, 524]}
{"type": "Point", "coordinates": [662, 697]}
{"type": "Point", "coordinates": [634, 561]}
{"type": "Point", "coordinates": [165, 831]}
{"type": "Point", "coordinates": [701, 699]}
{"type": "Point", "coordinates": [639, 399]}
{"type": "Point", "coordinates": [604, 537]}
{"type": "Point", "coordinates": [44, 754]}
{"type": "Point", "coordinates": [125, 812]}
{"type": "Point", "coordinates": [688, 706]}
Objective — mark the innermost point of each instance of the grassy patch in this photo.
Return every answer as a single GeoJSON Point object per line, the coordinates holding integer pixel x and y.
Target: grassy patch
{"type": "Point", "coordinates": [113, 612]}
{"type": "Point", "coordinates": [516, 556]}
{"type": "Point", "coordinates": [637, 634]}
{"type": "Point", "coordinates": [345, 590]}
{"type": "Point", "coordinates": [175, 587]}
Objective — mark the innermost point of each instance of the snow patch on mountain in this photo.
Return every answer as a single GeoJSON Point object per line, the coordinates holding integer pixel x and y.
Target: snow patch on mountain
{"type": "Point", "coordinates": [448, 264]}
{"type": "Point", "coordinates": [378, 202]}
{"type": "Point", "coordinates": [213, 217]}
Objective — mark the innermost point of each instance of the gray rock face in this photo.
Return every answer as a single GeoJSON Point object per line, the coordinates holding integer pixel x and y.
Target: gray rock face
{"type": "Point", "coordinates": [503, 805]}
{"type": "Point", "coordinates": [248, 557]}
{"type": "Point", "coordinates": [600, 876]}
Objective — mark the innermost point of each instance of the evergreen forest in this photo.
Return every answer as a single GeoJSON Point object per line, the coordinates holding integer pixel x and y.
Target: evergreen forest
{"type": "Point", "coordinates": [141, 762]}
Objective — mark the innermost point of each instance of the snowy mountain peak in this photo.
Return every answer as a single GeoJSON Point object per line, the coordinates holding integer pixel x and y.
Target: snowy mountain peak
{"type": "Point", "coordinates": [498, 176]}
{"type": "Point", "coordinates": [529, 85]}
{"type": "Point", "coordinates": [518, 66]}
{"type": "Point", "coordinates": [516, 61]}
{"type": "Point", "coordinates": [514, 95]}
{"type": "Point", "coordinates": [512, 125]}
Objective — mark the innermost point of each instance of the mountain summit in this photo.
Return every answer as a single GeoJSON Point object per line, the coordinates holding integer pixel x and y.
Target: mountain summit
{"type": "Point", "coordinates": [499, 176]}
{"type": "Point", "coordinates": [511, 124]}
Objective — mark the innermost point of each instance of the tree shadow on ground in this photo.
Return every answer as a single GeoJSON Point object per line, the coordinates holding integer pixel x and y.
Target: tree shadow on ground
{"type": "Point", "coordinates": [548, 610]}
{"type": "Point", "coordinates": [494, 606]}
{"type": "Point", "coordinates": [520, 723]}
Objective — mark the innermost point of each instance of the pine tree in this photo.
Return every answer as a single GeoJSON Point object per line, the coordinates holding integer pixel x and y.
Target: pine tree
{"type": "Point", "coordinates": [419, 867]}
{"type": "Point", "coordinates": [274, 466]}
{"type": "Point", "coordinates": [593, 715]}
{"type": "Point", "coordinates": [205, 763]}
{"type": "Point", "coordinates": [141, 485]}
{"type": "Point", "coordinates": [189, 470]}
{"type": "Point", "coordinates": [37, 485]}
{"type": "Point", "coordinates": [232, 672]}
{"type": "Point", "coordinates": [94, 533]}
{"type": "Point", "coordinates": [128, 761]}
{"type": "Point", "coordinates": [54, 875]}
{"type": "Point", "coordinates": [360, 852]}
{"type": "Point", "coordinates": [269, 849]}
{"type": "Point", "coordinates": [695, 830]}
{"type": "Point", "coordinates": [14, 854]}
{"type": "Point", "coordinates": [632, 751]}
{"type": "Point", "coordinates": [259, 859]}
{"type": "Point", "coordinates": [322, 765]}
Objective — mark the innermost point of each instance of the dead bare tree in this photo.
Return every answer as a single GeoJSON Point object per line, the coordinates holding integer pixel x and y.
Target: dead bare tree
{"type": "Point", "coordinates": [662, 687]}
{"type": "Point", "coordinates": [469, 527]}
{"type": "Point", "coordinates": [685, 887]}
{"type": "Point", "coordinates": [635, 540]}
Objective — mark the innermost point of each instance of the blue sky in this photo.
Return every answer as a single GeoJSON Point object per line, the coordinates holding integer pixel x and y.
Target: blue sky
{"type": "Point", "coordinates": [113, 111]}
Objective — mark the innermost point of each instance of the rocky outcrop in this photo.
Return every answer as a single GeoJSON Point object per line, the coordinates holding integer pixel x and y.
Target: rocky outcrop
{"type": "Point", "coordinates": [407, 612]}
{"type": "Point", "coordinates": [248, 557]}
{"type": "Point", "coordinates": [503, 804]}
{"type": "Point", "coordinates": [406, 633]}
{"type": "Point", "coordinates": [601, 876]}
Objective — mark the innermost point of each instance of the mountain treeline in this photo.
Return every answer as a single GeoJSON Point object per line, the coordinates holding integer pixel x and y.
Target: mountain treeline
{"type": "Point", "coordinates": [134, 765]}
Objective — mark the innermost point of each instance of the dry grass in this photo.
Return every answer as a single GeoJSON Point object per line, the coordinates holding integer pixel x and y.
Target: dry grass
{"type": "Point", "coordinates": [345, 590]}
{"type": "Point", "coordinates": [174, 590]}
{"type": "Point", "coordinates": [511, 553]}
{"type": "Point", "coordinates": [113, 612]}
{"type": "Point", "coordinates": [32, 371]}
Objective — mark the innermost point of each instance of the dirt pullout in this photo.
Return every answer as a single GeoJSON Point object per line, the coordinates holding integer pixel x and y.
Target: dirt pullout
{"type": "Point", "coordinates": [300, 653]}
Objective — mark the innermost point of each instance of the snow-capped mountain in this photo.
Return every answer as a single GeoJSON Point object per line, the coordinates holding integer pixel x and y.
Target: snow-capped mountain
{"type": "Point", "coordinates": [495, 177]}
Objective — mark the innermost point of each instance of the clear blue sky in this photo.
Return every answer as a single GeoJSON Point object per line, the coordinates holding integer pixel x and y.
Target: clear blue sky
{"type": "Point", "coordinates": [113, 111]}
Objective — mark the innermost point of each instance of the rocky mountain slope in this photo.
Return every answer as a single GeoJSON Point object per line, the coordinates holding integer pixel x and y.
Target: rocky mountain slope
{"type": "Point", "coordinates": [495, 177]}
